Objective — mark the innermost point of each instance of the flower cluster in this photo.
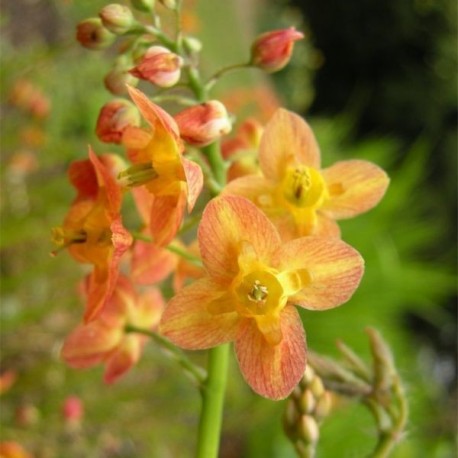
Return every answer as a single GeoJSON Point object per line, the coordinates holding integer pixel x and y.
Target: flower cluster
{"type": "Point", "coordinates": [267, 242]}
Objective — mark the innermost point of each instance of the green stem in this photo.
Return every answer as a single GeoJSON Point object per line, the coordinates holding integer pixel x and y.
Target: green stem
{"type": "Point", "coordinates": [214, 78]}
{"type": "Point", "coordinates": [216, 161]}
{"type": "Point", "coordinates": [196, 373]}
{"type": "Point", "coordinates": [213, 402]}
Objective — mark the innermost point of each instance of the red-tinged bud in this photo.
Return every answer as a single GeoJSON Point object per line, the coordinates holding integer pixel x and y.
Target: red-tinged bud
{"type": "Point", "coordinates": [202, 124]}
{"type": "Point", "coordinates": [117, 18]}
{"type": "Point", "coordinates": [271, 51]}
{"type": "Point", "coordinates": [113, 119]}
{"type": "Point", "coordinates": [159, 66]}
{"type": "Point", "coordinates": [146, 6]}
{"type": "Point", "coordinates": [93, 35]}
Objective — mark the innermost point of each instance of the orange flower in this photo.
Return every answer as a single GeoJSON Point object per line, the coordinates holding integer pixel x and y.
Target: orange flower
{"type": "Point", "coordinates": [253, 282]}
{"type": "Point", "coordinates": [299, 197]}
{"type": "Point", "coordinates": [104, 340]}
{"type": "Point", "coordinates": [10, 449]}
{"type": "Point", "coordinates": [173, 181]}
{"type": "Point", "coordinates": [92, 230]}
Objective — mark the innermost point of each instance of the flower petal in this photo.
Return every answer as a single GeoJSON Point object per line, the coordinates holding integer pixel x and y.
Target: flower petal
{"type": "Point", "coordinates": [335, 270]}
{"type": "Point", "coordinates": [255, 188]}
{"type": "Point", "coordinates": [272, 370]}
{"type": "Point", "coordinates": [187, 322]}
{"type": "Point", "coordinates": [227, 221]}
{"type": "Point", "coordinates": [194, 180]}
{"type": "Point", "coordinates": [355, 186]}
{"type": "Point", "coordinates": [287, 140]}
{"type": "Point", "coordinates": [120, 361]}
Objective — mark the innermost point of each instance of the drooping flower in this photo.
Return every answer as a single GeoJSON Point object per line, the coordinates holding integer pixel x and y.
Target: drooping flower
{"type": "Point", "coordinates": [105, 341]}
{"type": "Point", "coordinates": [271, 51]}
{"type": "Point", "coordinates": [92, 230]}
{"type": "Point", "coordinates": [202, 124]}
{"type": "Point", "coordinates": [252, 284]}
{"type": "Point", "coordinates": [299, 197]}
{"type": "Point", "coordinates": [173, 181]}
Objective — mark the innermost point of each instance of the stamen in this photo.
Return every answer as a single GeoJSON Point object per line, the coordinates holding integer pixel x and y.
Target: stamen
{"type": "Point", "coordinates": [137, 175]}
{"type": "Point", "coordinates": [258, 292]}
{"type": "Point", "coordinates": [63, 238]}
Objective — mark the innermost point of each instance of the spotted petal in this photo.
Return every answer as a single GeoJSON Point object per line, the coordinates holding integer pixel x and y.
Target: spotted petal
{"type": "Point", "coordinates": [355, 186]}
{"type": "Point", "coordinates": [187, 322]}
{"type": "Point", "coordinates": [334, 270]}
{"type": "Point", "coordinates": [272, 370]}
{"type": "Point", "coordinates": [287, 140]}
{"type": "Point", "coordinates": [228, 222]}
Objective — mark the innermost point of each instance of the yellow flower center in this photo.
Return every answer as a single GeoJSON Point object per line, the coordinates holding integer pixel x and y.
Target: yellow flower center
{"type": "Point", "coordinates": [259, 293]}
{"type": "Point", "coordinates": [137, 175]}
{"type": "Point", "coordinates": [303, 187]}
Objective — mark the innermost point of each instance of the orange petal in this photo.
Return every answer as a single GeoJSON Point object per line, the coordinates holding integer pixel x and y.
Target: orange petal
{"type": "Point", "coordinates": [151, 264]}
{"type": "Point", "coordinates": [88, 344]}
{"type": "Point", "coordinates": [227, 221]}
{"type": "Point", "coordinates": [255, 188]}
{"type": "Point", "coordinates": [272, 370]}
{"type": "Point", "coordinates": [194, 180]}
{"type": "Point", "coordinates": [153, 113]}
{"type": "Point", "coordinates": [166, 217]}
{"type": "Point", "coordinates": [187, 322]}
{"type": "Point", "coordinates": [287, 140]}
{"type": "Point", "coordinates": [125, 356]}
{"type": "Point", "coordinates": [335, 270]}
{"type": "Point", "coordinates": [82, 176]}
{"type": "Point", "coordinates": [354, 186]}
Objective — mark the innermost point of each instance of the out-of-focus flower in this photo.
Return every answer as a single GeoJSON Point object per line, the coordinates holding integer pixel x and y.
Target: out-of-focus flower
{"type": "Point", "coordinates": [159, 66]}
{"type": "Point", "coordinates": [117, 18]}
{"type": "Point", "coordinates": [73, 411]}
{"type": "Point", "coordinates": [104, 340]}
{"type": "Point", "coordinates": [252, 284]}
{"type": "Point", "coordinates": [28, 97]}
{"type": "Point", "coordinates": [242, 150]}
{"type": "Point", "coordinates": [11, 449]}
{"type": "Point", "coordinates": [92, 230]}
{"type": "Point", "coordinates": [7, 380]}
{"type": "Point", "coordinates": [113, 119]}
{"type": "Point", "coordinates": [26, 415]}
{"type": "Point", "coordinates": [173, 181]}
{"type": "Point", "coordinates": [93, 35]}
{"type": "Point", "coordinates": [271, 51]}
{"type": "Point", "coordinates": [299, 197]}
{"type": "Point", "coordinates": [202, 124]}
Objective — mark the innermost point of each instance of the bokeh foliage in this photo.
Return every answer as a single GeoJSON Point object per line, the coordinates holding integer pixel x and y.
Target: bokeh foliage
{"type": "Point", "coordinates": [406, 243]}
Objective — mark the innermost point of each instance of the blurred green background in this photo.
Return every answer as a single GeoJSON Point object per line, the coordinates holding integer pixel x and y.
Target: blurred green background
{"type": "Point", "coordinates": [377, 81]}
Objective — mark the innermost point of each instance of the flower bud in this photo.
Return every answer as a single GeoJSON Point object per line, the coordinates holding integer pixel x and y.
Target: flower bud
{"type": "Point", "coordinates": [73, 409]}
{"type": "Point", "coordinates": [308, 429]}
{"type": "Point", "coordinates": [113, 119]}
{"type": "Point", "coordinates": [146, 6]}
{"type": "Point", "coordinates": [271, 51]}
{"type": "Point", "coordinates": [93, 35]}
{"type": "Point", "coordinates": [202, 124]}
{"type": "Point", "coordinates": [159, 66]}
{"type": "Point", "coordinates": [118, 77]}
{"type": "Point", "coordinates": [170, 4]}
{"type": "Point", "coordinates": [117, 18]}
{"type": "Point", "coordinates": [192, 45]}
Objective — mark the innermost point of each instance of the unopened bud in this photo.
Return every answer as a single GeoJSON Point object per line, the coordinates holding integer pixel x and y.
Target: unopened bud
{"type": "Point", "coordinates": [307, 402]}
{"type": "Point", "coordinates": [271, 51]}
{"type": "Point", "coordinates": [117, 18]}
{"type": "Point", "coordinates": [308, 429]}
{"type": "Point", "coordinates": [113, 119]}
{"type": "Point", "coordinates": [146, 6]}
{"type": "Point", "coordinates": [202, 124]}
{"type": "Point", "coordinates": [192, 44]}
{"type": "Point", "coordinates": [117, 78]}
{"type": "Point", "coordinates": [317, 387]}
{"type": "Point", "coordinates": [323, 406]}
{"type": "Point", "coordinates": [93, 35]}
{"type": "Point", "coordinates": [159, 66]}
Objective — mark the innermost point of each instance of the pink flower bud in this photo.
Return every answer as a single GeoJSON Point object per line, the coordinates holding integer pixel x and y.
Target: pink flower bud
{"type": "Point", "coordinates": [202, 124]}
{"type": "Point", "coordinates": [93, 35]}
{"type": "Point", "coordinates": [159, 66]}
{"type": "Point", "coordinates": [271, 51]}
{"type": "Point", "coordinates": [73, 409]}
{"type": "Point", "coordinates": [117, 18]}
{"type": "Point", "coordinates": [113, 119]}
